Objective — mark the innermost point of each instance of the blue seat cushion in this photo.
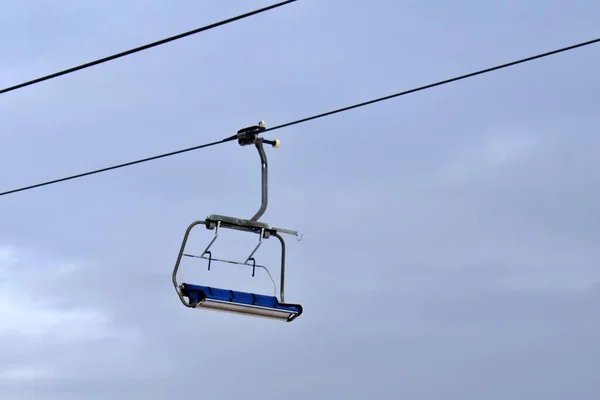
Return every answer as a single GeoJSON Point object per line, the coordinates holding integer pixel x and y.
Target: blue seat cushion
{"type": "Point", "coordinates": [196, 293]}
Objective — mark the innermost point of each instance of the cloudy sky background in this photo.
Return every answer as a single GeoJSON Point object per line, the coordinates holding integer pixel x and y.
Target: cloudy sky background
{"type": "Point", "coordinates": [450, 236]}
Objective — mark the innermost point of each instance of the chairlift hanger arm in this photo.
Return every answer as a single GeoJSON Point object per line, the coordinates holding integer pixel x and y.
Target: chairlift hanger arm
{"type": "Point", "coordinates": [264, 182]}
{"type": "Point", "coordinates": [248, 136]}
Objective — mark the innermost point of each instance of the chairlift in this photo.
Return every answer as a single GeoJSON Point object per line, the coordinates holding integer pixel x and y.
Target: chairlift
{"type": "Point", "coordinates": [207, 297]}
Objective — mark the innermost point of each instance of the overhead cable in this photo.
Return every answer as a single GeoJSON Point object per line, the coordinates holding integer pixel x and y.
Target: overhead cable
{"type": "Point", "coordinates": [299, 121]}
{"type": "Point", "coordinates": [439, 83]}
{"type": "Point", "coordinates": [127, 164]}
{"type": "Point", "coordinates": [144, 47]}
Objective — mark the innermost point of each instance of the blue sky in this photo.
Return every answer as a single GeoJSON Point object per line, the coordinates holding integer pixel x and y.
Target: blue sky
{"type": "Point", "coordinates": [450, 236]}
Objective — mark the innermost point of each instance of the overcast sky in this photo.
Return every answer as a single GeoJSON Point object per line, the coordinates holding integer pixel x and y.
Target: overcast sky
{"type": "Point", "coordinates": [450, 236]}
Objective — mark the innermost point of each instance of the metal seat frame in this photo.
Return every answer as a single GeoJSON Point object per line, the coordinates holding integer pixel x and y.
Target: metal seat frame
{"type": "Point", "coordinates": [246, 136]}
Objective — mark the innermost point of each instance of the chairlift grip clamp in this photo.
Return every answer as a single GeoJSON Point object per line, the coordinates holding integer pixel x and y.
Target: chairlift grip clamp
{"type": "Point", "coordinates": [249, 135]}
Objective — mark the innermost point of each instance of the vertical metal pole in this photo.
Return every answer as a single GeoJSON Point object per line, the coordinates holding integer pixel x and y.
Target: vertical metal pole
{"type": "Point", "coordinates": [281, 284]}
{"type": "Point", "coordinates": [264, 181]}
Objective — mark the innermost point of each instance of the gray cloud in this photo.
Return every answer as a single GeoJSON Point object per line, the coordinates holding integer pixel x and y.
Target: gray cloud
{"type": "Point", "coordinates": [449, 244]}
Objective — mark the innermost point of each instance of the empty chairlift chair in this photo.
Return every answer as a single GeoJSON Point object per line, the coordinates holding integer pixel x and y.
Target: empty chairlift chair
{"type": "Point", "coordinates": [207, 297]}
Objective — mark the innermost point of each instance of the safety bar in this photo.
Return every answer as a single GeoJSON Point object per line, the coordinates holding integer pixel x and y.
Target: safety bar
{"type": "Point", "coordinates": [253, 265]}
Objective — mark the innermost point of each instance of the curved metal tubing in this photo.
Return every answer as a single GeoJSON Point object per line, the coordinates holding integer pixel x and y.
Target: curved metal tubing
{"type": "Point", "coordinates": [179, 256]}
{"type": "Point", "coordinates": [281, 285]}
{"type": "Point", "coordinates": [182, 250]}
{"type": "Point", "coordinates": [282, 278]}
{"type": "Point", "coordinates": [264, 180]}
{"type": "Point", "coordinates": [234, 307]}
